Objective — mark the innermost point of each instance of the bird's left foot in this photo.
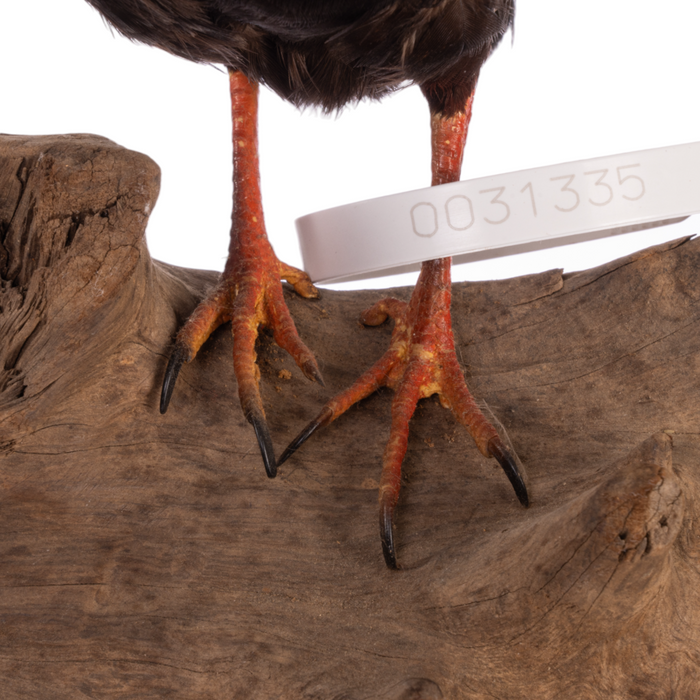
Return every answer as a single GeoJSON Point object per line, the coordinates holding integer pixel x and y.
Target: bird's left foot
{"type": "Point", "coordinates": [421, 361]}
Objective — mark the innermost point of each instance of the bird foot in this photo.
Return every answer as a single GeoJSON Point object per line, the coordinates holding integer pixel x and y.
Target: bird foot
{"type": "Point", "coordinates": [421, 361]}
{"type": "Point", "coordinates": [249, 294]}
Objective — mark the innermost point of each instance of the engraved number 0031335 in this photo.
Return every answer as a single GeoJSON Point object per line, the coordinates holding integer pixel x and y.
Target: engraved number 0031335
{"type": "Point", "coordinates": [494, 204]}
{"type": "Point", "coordinates": [503, 214]}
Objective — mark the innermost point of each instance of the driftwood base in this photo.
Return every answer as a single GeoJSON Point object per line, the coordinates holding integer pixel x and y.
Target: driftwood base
{"type": "Point", "coordinates": [148, 556]}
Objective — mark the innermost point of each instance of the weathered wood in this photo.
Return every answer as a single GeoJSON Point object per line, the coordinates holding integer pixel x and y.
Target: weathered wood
{"type": "Point", "coordinates": [148, 556]}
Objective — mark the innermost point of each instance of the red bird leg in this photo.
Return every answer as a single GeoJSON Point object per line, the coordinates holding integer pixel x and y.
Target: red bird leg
{"type": "Point", "coordinates": [421, 359]}
{"type": "Point", "coordinates": [249, 292]}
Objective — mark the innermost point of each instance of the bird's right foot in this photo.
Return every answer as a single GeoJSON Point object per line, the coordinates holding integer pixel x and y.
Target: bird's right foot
{"type": "Point", "coordinates": [249, 293]}
{"type": "Point", "coordinates": [249, 296]}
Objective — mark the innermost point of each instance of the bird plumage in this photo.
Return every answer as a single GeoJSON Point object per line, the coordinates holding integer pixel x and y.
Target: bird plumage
{"type": "Point", "coordinates": [327, 53]}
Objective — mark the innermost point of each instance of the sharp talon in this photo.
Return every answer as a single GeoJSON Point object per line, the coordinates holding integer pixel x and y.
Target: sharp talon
{"type": "Point", "coordinates": [386, 533]}
{"type": "Point", "coordinates": [510, 466]}
{"type": "Point", "coordinates": [175, 362]}
{"type": "Point", "coordinates": [323, 418]}
{"type": "Point", "coordinates": [262, 433]}
{"type": "Point", "coordinates": [313, 373]}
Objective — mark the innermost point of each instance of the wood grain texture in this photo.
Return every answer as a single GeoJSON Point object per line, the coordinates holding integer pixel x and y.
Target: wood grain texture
{"type": "Point", "coordinates": [147, 556]}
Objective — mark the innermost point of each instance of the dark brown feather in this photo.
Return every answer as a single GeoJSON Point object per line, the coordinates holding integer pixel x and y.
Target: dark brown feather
{"type": "Point", "coordinates": [328, 53]}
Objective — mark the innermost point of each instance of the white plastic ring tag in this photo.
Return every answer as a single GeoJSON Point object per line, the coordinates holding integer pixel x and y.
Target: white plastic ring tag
{"type": "Point", "coordinates": [502, 214]}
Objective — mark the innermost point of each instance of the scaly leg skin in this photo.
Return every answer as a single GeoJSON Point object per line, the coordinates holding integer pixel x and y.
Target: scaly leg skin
{"type": "Point", "coordinates": [249, 293]}
{"type": "Point", "coordinates": [421, 359]}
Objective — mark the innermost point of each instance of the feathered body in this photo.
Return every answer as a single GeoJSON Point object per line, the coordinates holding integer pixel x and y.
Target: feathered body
{"type": "Point", "coordinates": [328, 52]}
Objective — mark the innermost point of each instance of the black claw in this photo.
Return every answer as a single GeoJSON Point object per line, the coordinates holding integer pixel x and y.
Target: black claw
{"type": "Point", "coordinates": [509, 465]}
{"type": "Point", "coordinates": [262, 433]}
{"type": "Point", "coordinates": [386, 533]}
{"type": "Point", "coordinates": [322, 419]}
{"type": "Point", "coordinates": [313, 373]}
{"type": "Point", "coordinates": [171, 371]}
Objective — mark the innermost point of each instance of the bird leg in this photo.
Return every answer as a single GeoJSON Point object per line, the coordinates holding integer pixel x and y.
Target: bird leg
{"type": "Point", "coordinates": [421, 359]}
{"type": "Point", "coordinates": [249, 292]}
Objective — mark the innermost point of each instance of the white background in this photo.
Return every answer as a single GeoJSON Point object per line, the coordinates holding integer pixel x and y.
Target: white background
{"type": "Point", "coordinates": [579, 79]}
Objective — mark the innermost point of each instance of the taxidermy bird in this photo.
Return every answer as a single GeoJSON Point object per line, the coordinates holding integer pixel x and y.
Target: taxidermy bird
{"type": "Point", "coordinates": [327, 53]}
